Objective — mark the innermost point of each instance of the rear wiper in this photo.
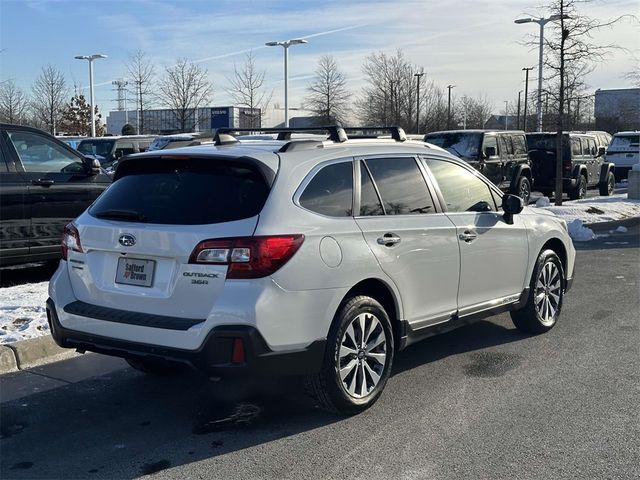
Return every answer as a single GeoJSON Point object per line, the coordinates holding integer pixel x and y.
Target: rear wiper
{"type": "Point", "coordinates": [121, 215]}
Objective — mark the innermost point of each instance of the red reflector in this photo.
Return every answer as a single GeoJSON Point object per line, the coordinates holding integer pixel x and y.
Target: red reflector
{"type": "Point", "coordinates": [237, 354]}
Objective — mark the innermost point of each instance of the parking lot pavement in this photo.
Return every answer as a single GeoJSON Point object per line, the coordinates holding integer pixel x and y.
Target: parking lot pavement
{"type": "Point", "coordinates": [484, 401]}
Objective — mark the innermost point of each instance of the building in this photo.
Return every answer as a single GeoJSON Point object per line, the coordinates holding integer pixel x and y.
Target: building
{"type": "Point", "coordinates": [165, 121]}
{"type": "Point", "coordinates": [617, 109]}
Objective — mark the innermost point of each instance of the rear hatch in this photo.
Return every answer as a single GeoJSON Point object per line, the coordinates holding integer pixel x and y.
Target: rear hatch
{"type": "Point", "coordinates": [137, 240]}
{"type": "Point", "coordinates": [542, 154]}
{"type": "Point", "coordinates": [624, 150]}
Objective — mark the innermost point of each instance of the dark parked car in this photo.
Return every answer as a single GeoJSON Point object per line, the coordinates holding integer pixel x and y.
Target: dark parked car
{"type": "Point", "coordinates": [583, 164]}
{"type": "Point", "coordinates": [499, 155]}
{"type": "Point", "coordinates": [110, 149]}
{"type": "Point", "coordinates": [44, 184]}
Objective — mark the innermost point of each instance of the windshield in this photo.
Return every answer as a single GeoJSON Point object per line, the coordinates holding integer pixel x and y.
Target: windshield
{"type": "Point", "coordinates": [462, 144]}
{"type": "Point", "coordinates": [101, 148]}
{"type": "Point", "coordinates": [625, 143]}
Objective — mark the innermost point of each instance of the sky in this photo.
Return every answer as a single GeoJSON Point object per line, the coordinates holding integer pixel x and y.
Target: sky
{"type": "Point", "coordinates": [472, 44]}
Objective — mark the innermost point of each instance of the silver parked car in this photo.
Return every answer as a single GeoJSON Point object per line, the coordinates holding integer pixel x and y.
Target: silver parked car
{"type": "Point", "coordinates": [306, 257]}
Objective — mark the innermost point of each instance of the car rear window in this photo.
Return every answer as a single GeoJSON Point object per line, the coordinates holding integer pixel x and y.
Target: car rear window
{"type": "Point", "coordinates": [183, 192]}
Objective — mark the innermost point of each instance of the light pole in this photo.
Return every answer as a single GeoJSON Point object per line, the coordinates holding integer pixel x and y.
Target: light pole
{"type": "Point", "coordinates": [526, 95]}
{"type": "Point", "coordinates": [542, 22]}
{"type": "Point", "coordinates": [519, 94]}
{"type": "Point", "coordinates": [91, 58]}
{"type": "Point", "coordinates": [418, 77]}
{"type": "Point", "coordinates": [449, 87]}
{"type": "Point", "coordinates": [285, 46]}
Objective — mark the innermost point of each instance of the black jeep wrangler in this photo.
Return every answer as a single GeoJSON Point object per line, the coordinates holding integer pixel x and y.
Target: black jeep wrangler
{"type": "Point", "coordinates": [583, 164]}
{"type": "Point", "coordinates": [500, 155]}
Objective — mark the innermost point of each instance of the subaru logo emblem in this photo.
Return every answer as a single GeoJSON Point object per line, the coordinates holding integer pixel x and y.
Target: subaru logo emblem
{"type": "Point", "coordinates": [127, 240]}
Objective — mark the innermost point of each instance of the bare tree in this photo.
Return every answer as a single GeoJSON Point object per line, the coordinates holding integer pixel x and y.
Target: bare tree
{"type": "Point", "coordinates": [13, 103]}
{"type": "Point", "coordinates": [633, 75]}
{"type": "Point", "coordinates": [184, 88]}
{"type": "Point", "coordinates": [433, 108]}
{"type": "Point", "coordinates": [390, 94]}
{"type": "Point", "coordinates": [49, 93]}
{"type": "Point", "coordinates": [572, 54]}
{"type": "Point", "coordinates": [473, 112]}
{"type": "Point", "coordinates": [328, 96]}
{"type": "Point", "coordinates": [141, 75]}
{"type": "Point", "coordinates": [247, 89]}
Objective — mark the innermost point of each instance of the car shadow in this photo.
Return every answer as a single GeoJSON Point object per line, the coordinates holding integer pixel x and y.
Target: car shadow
{"type": "Point", "coordinates": [118, 425]}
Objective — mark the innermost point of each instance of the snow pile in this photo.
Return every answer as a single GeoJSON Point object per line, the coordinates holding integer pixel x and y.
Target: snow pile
{"type": "Point", "coordinates": [22, 312]}
{"type": "Point", "coordinates": [543, 202]}
{"type": "Point", "coordinates": [597, 209]}
{"type": "Point", "coordinates": [578, 232]}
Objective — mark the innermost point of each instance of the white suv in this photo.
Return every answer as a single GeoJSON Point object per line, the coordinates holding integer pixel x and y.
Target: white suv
{"type": "Point", "coordinates": [318, 258]}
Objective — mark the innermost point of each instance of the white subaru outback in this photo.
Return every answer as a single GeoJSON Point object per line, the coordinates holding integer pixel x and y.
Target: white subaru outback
{"type": "Point", "coordinates": [301, 257]}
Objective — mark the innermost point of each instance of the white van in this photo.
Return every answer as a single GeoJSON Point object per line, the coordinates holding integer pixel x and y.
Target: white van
{"type": "Point", "coordinates": [624, 152]}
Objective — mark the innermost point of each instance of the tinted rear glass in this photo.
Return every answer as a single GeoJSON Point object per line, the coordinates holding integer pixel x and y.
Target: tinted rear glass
{"type": "Point", "coordinates": [102, 148]}
{"type": "Point", "coordinates": [330, 192]}
{"type": "Point", "coordinates": [183, 192]}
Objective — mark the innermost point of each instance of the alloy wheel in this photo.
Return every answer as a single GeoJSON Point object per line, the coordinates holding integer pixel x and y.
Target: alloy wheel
{"type": "Point", "coordinates": [548, 293]}
{"type": "Point", "coordinates": [363, 355]}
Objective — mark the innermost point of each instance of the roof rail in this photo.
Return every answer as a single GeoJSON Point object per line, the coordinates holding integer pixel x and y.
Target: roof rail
{"type": "Point", "coordinates": [397, 133]}
{"type": "Point", "coordinates": [225, 135]}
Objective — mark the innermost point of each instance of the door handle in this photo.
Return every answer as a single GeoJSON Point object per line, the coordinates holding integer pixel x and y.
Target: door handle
{"type": "Point", "coordinates": [468, 236]}
{"type": "Point", "coordinates": [43, 182]}
{"type": "Point", "coordinates": [389, 240]}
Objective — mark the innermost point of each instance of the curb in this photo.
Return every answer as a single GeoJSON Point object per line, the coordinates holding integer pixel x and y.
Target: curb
{"type": "Point", "coordinates": [31, 353]}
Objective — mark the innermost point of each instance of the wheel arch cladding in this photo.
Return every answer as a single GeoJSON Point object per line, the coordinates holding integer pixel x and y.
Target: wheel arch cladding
{"type": "Point", "coordinates": [380, 291]}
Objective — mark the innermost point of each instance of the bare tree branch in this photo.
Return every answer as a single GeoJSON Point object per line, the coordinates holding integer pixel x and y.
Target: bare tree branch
{"type": "Point", "coordinates": [13, 103]}
{"type": "Point", "coordinates": [328, 97]}
{"type": "Point", "coordinates": [141, 73]}
{"type": "Point", "coordinates": [247, 88]}
{"type": "Point", "coordinates": [49, 93]}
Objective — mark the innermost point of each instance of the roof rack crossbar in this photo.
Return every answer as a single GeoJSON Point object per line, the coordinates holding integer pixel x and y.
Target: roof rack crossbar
{"type": "Point", "coordinates": [336, 134]}
{"type": "Point", "coordinates": [397, 133]}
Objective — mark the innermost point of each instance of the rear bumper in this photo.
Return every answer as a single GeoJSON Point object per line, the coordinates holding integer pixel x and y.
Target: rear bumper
{"type": "Point", "coordinates": [214, 357]}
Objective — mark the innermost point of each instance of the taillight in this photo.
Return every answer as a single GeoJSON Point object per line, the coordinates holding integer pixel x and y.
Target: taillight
{"type": "Point", "coordinates": [70, 240]}
{"type": "Point", "coordinates": [248, 257]}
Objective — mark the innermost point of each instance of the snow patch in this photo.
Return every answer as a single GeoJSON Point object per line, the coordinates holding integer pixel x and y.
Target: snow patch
{"type": "Point", "coordinates": [578, 232]}
{"type": "Point", "coordinates": [597, 209]}
{"type": "Point", "coordinates": [543, 202]}
{"type": "Point", "coordinates": [22, 312]}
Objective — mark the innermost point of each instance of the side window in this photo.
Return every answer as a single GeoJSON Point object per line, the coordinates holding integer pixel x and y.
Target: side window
{"type": "Point", "coordinates": [519, 145]}
{"type": "Point", "coordinates": [330, 192]}
{"type": "Point", "coordinates": [506, 147]}
{"type": "Point", "coordinates": [38, 153]}
{"type": "Point", "coordinates": [369, 201]}
{"type": "Point", "coordinates": [461, 189]}
{"type": "Point", "coordinates": [3, 165]}
{"type": "Point", "coordinates": [576, 149]}
{"type": "Point", "coordinates": [124, 148]}
{"type": "Point", "coordinates": [592, 146]}
{"type": "Point", "coordinates": [585, 146]}
{"type": "Point", "coordinates": [489, 141]}
{"type": "Point", "coordinates": [401, 186]}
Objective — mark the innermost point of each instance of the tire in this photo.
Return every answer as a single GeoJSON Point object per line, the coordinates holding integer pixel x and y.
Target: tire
{"type": "Point", "coordinates": [523, 189]}
{"type": "Point", "coordinates": [339, 386]}
{"type": "Point", "coordinates": [546, 292]}
{"type": "Point", "coordinates": [156, 367]}
{"type": "Point", "coordinates": [606, 188]}
{"type": "Point", "coordinates": [581, 189]}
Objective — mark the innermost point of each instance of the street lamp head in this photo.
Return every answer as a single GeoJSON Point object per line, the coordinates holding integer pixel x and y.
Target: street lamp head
{"type": "Point", "coordinates": [524, 20]}
{"type": "Point", "coordinates": [297, 41]}
{"type": "Point", "coordinates": [553, 18]}
{"type": "Point", "coordinates": [269, 44]}
{"type": "Point", "coordinates": [90, 57]}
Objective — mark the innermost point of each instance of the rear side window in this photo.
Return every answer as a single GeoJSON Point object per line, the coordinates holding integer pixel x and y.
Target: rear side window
{"type": "Point", "coordinates": [330, 191]}
{"type": "Point", "coordinates": [519, 145]}
{"type": "Point", "coordinates": [575, 146]}
{"type": "Point", "coordinates": [401, 186]}
{"type": "Point", "coordinates": [183, 192]}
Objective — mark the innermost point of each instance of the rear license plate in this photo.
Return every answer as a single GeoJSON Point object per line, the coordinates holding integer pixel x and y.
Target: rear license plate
{"type": "Point", "coordinates": [135, 271]}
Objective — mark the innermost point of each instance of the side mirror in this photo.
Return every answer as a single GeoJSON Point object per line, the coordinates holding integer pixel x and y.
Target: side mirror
{"type": "Point", "coordinates": [601, 151]}
{"type": "Point", "coordinates": [490, 152]}
{"type": "Point", "coordinates": [93, 165]}
{"type": "Point", "coordinates": [512, 205]}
